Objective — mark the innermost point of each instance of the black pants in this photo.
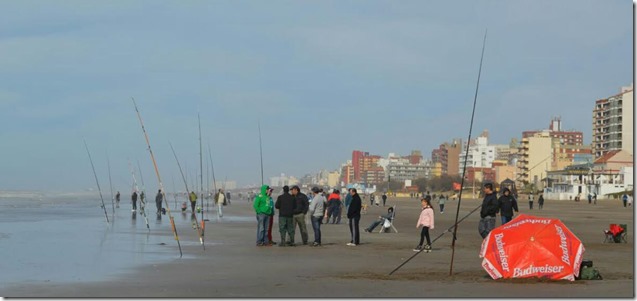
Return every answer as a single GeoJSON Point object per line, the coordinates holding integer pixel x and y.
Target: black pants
{"type": "Point", "coordinates": [531, 205]}
{"type": "Point", "coordinates": [354, 230]}
{"type": "Point", "coordinates": [192, 206]}
{"type": "Point", "coordinates": [384, 200]}
{"type": "Point", "coordinates": [424, 233]}
{"type": "Point", "coordinates": [134, 204]}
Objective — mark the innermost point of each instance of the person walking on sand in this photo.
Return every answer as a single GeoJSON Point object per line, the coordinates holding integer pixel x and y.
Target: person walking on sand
{"type": "Point", "coordinates": [134, 200]}
{"type": "Point", "coordinates": [540, 201]}
{"type": "Point", "coordinates": [220, 198]}
{"type": "Point", "coordinates": [426, 221]}
{"type": "Point", "coordinates": [317, 211]}
{"type": "Point", "coordinates": [630, 200]}
{"type": "Point", "coordinates": [263, 210]}
{"type": "Point", "coordinates": [594, 198]}
{"type": "Point", "coordinates": [625, 199]}
{"type": "Point", "coordinates": [117, 197]}
{"type": "Point", "coordinates": [531, 201]}
{"type": "Point", "coordinates": [384, 197]}
{"type": "Point", "coordinates": [334, 207]}
{"type": "Point", "coordinates": [158, 199]}
{"type": "Point", "coordinates": [507, 204]}
{"type": "Point", "coordinates": [441, 202]}
{"type": "Point", "coordinates": [354, 216]}
{"type": "Point", "coordinates": [193, 201]}
{"type": "Point", "coordinates": [590, 197]}
{"type": "Point", "coordinates": [300, 210]}
{"type": "Point", "coordinates": [286, 204]}
{"type": "Point", "coordinates": [488, 211]}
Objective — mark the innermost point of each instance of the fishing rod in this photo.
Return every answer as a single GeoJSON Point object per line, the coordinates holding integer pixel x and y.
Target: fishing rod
{"type": "Point", "coordinates": [96, 181]}
{"type": "Point", "coordinates": [435, 239]}
{"type": "Point", "coordinates": [212, 166]}
{"type": "Point", "coordinates": [464, 168]}
{"type": "Point", "coordinates": [174, 191]}
{"type": "Point", "coordinates": [208, 188]}
{"type": "Point", "coordinates": [132, 171]}
{"type": "Point", "coordinates": [186, 184]}
{"type": "Point", "coordinates": [203, 223]}
{"type": "Point", "coordinates": [161, 186]}
{"type": "Point", "coordinates": [110, 183]}
{"type": "Point", "coordinates": [261, 153]}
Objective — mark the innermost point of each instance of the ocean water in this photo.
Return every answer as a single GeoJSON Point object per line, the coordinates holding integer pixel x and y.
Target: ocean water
{"type": "Point", "coordinates": [65, 238]}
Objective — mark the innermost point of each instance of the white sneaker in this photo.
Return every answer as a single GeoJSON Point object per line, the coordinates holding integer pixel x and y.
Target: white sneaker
{"type": "Point", "coordinates": [350, 244]}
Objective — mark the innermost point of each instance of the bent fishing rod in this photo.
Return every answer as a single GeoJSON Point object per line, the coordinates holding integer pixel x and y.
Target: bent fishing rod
{"type": "Point", "coordinates": [212, 166]}
{"type": "Point", "coordinates": [161, 185]}
{"type": "Point", "coordinates": [464, 168]}
{"type": "Point", "coordinates": [203, 223]}
{"type": "Point", "coordinates": [132, 171]}
{"type": "Point", "coordinates": [438, 237]}
{"type": "Point", "coordinates": [186, 184]}
{"type": "Point", "coordinates": [96, 181]}
{"type": "Point", "coordinates": [260, 153]}
{"type": "Point", "coordinates": [110, 183]}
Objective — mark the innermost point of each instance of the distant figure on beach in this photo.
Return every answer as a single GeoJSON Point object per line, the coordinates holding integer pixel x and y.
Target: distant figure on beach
{"type": "Point", "coordinates": [228, 197]}
{"type": "Point", "coordinates": [117, 196]}
{"type": "Point", "coordinates": [334, 207]}
{"type": "Point", "coordinates": [193, 201]}
{"type": "Point", "coordinates": [381, 219]}
{"type": "Point", "coordinates": [302, 205]}
{"type": "Point", "coordinates": [594, 198]}
{"type": "Point", "coordinates": [507, 204]}
{"type": "Point", "coordinates": [354, 216]}
{"type": "Point", "coordinates": [286, 204]}
{"type": "Point", "coordinates": [590, 197]}
{"type": "Point", "coordinates": [426, 221]}
{"type": "Point", "coordinates": [184, 207]}
{"type": "Point", "coordinates": [531, 201]}
{"type": "Point", "coordinates": [372, 198]}
{"type": "Point", "coordinates": [441, 203]}
{"type": "Point", "coordinates": [219, 201]}
{"type": "Point", "coordinates": [578, 197]}
{"type": "Point", "coordinates": [158, 199]}
{"type": "Point", "coordinates": [540, 201]}
{"type": "Point", "coordinates": [134, 199]}
{"type": "Point", "coordinates": [428, 197]}
{"type": "Point", "coordinates": [630, 200]}
{"type": "Point", "coordinates": [317, 211]}
{"type": "Point", "coordinates": [625, 199]}
{"type": "Point", "coordinates": [262, 208]}
{"type": "Point", "coordinates": [488, 211]}
{"type": "Point", "coordinates": [271, 216]}
{"type": "Point", "coordinates": [384, 197]}
{"type": "Point", "coordinates": [142, 197]}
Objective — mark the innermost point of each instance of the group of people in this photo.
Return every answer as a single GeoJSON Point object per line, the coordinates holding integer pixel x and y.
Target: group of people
{"type": "Point", "coordinates": [627, 200]}
{"type": "Point", "coordinates": [294, 206]}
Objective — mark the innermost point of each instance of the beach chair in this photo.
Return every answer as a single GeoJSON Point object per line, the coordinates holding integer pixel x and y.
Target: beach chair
{"type": "Point", "coordinates": [616, 233]}
{"type": "Point", "coordinates": [389, 223]}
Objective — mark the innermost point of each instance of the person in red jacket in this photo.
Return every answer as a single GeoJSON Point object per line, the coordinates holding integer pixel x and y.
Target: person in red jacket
{"type": "Point", "coordinates": [426, 221]}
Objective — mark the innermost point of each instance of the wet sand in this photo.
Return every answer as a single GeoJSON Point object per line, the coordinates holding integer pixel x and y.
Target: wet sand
{"type": "Point", "coordinates": [231, 265]}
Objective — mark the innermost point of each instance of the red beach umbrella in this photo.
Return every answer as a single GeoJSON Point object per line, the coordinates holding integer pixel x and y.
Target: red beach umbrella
{"type": "Point", "coordinates": [531, 246]}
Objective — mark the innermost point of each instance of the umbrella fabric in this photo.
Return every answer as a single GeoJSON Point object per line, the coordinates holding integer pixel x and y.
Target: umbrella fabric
{"type": "Point", "coordinates": [531, 246]}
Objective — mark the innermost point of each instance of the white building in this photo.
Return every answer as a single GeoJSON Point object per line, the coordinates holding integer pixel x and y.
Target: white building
{"type": "Point", "coordinates": [480, 154]}
{"type": "Point", "coordinates": [283, 180]}
{"type": "Point", "coordinates": [400, 168]}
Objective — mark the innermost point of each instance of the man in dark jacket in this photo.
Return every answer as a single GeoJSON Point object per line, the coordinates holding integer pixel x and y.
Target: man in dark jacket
{"type": "Point", "coordinates": [507, 204]}
{"type": "Point", "coordinates": [286, 204]}
{"type": "Point", "coordinates": [354, 216]}
{"type": "Point", "coordinates": [488, 211]}
{"type": "Point", "coordinates": [302, 205]}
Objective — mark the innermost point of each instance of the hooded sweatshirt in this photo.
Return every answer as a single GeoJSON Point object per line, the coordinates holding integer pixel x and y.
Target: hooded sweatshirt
{"type": "Point", "coordinates": [302, 203]}
{"type": "Point", "coordinates": [262, 204]}
{"type": "Point", "coordinates": [426, 218]}
{"type": "Point", "coordinates": [317, 207]}
{"type": "Point", "coordinates": [286, 204]}
{"type": "Point", "coordinates": [507, 204]}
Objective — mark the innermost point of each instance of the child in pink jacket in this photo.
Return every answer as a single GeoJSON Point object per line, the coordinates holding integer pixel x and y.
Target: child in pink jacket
{"type": "Point", "coordinates": [426, 221]}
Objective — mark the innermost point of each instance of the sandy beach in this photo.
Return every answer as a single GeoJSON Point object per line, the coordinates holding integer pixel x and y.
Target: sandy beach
{"type": "Point", "coordinates": [231, 265]}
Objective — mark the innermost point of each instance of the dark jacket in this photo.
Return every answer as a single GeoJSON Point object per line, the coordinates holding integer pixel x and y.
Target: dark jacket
{"type": "Point", "coordinates": [540, 200]}
{"type": "Point", "coordinates": [489, 206]}
{"type": "Point", "coordinates": [507, 204]}
{"type": "Point", "coordinates": [302, 203]}
{"type": "Point", "coordinates": [354, 209]}
{"type": "Point", "coordinates": [286, 204]}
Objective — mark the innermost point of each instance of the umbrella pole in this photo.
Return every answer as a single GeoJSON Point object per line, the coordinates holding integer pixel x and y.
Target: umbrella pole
{"type": "Point", "coordinates": [464, 169]}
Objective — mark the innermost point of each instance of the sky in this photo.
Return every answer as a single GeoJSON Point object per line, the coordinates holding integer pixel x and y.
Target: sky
{"type": "Point", "coordinates": [322, 78]}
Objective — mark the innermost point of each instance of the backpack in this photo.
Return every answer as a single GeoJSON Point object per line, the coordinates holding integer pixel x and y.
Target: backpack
{"type": "Point", "coordinates": [590, 273]}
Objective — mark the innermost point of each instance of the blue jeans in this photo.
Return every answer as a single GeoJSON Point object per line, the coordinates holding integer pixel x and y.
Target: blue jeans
{"type": "Point", "coordinates": [506, 219]}
{"type": "Point", "coordinates": [316, 225]}
{"type": "Point", "coordinates": [486, 225]}
{"type": "Point", "coordinates": [263, 221]}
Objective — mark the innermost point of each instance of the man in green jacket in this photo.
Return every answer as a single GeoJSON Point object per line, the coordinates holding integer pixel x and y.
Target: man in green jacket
{"type": "Point", "coordinates": [263, 208]}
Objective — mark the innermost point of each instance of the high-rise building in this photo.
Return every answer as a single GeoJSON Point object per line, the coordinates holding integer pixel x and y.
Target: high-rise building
{"type": "Point", "coordinates": [613, 123]}
{"type": "Point", "coordinates": [480, 154]}
{"type": "Point", "coordinates": [448, 157]}
{"type": "Point", "coordinates": [535, 157]}
{"type": "Point", "coordinates": [400, 168]}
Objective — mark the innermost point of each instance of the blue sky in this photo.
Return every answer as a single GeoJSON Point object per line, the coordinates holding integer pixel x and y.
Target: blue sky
{"type": "Point", "coordinates": [323, 77]}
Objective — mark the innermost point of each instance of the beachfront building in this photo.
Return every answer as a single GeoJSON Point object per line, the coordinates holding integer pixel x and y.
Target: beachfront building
{"type": "Point", "coordinates": [612, 173]}
{"type": "Point", "coordinates": [347, 173]}
{"type": "Point", "coordinates": [613, 123]}
{"type": "Point", "coordinates": [282, 180]}
{"type": "Point", "coordinates": [399, 168]}
{"type": "Point", "coordinates": [447, 154]}
{"type": "Point", "coordinates": [333, 178]}
{"type": "Point", "coordinates": [480, 154]}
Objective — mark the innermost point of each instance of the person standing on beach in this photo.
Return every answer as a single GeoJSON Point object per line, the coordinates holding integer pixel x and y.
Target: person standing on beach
{"type": "Point", "coordinates": [193, 201]}
{"type": "Point", "coordinates": [488, 211]}
{"type": "Point", "coordinates": [271, 216]}
{"type": "Point", "coordinates": [354, 216]}
{"type": "Point", "coordinates": [531, 201]}
{"type": "Point", "coordinates": [348, 198]}
{"type": "Point", "coordinates": [441, 202]}
{"type": "Point", "coordinates": [117, 196]}
{"type": "Point", "coordinates": [590, 197]}
{"type": "Point", "coordinates": [302, 205]}
{"type": "Point", "coordinates": [158, 199]}
{"type": "Point", "coordinates": [334, 207]}
{"type": "Point", "coordinates": [426, 221]}
{"type": "Point", "coordinates": [428, 197]}
{"type": "Point", "coordinates": [507, 204]}
{"type": "Point", "coordinates": [263, 210]}
{"type": "Point", "coordinates": [540, 201]}
{"type": "Point", "coordinates": [134, 199]}
{"type": "Point", "coordinates": [286, 204]}
{"type": "Point", "coordinates": [142, 197]}
{"type": "Point", "coordinates": [317, 211]}
{"type": "Point", "coordinates": [384, 198]}
{"type": "Point", "coordinates": [220, 197]}
{"type": "Point", "coordinates": [372, 198]}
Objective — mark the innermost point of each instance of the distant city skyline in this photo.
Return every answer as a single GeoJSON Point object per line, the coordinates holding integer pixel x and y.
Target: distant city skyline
{"type": "Point", "coordinates": [323, 78]}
